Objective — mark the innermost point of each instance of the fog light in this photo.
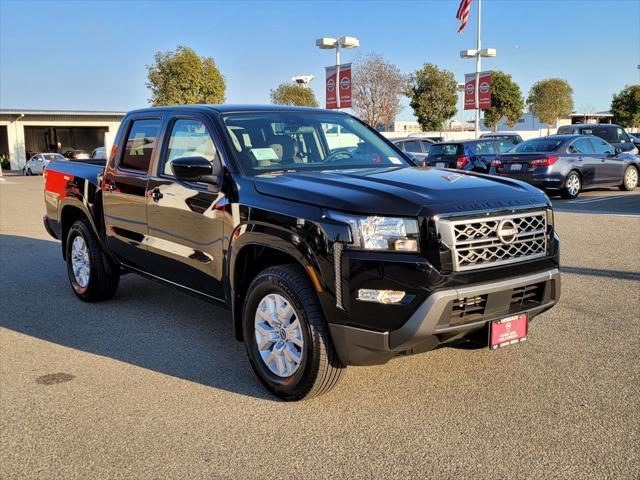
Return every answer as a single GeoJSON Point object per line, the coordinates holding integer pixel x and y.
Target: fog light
{"type": "Point", "coordinates": [380, 296]}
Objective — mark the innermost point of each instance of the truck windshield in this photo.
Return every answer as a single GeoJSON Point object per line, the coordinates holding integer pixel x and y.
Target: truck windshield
{"type": "Point", "coordinates": [265, 142]}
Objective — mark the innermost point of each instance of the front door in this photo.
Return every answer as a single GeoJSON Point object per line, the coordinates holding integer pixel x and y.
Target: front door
{"type": "Point", "coordinates": [186, 221]}
{"type": "Point", "coordinates": [124, 193]}
{"type": "Point", "coordinates": [610, 168]}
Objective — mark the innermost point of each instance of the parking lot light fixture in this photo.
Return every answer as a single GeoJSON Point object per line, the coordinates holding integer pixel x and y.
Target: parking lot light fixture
{"type": "Point", "coordinates": [327, 43]}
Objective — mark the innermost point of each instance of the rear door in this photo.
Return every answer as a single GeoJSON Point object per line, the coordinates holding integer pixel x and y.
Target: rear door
{"type": "Point", "coordinates": [186, 220]}
{"type": "Point", "coordinates": [583, 158]}
{"type": "Point", "coordinates": [609, 166]}
{"type": "Point", "coordinates": [124, 191]}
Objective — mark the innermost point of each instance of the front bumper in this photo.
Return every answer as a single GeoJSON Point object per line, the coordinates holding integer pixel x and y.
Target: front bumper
{"type": "Point", "coordinates": [440, 319]}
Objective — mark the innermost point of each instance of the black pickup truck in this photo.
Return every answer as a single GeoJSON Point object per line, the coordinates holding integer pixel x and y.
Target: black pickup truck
{"type": "Point", "coordinates": [328, 245]}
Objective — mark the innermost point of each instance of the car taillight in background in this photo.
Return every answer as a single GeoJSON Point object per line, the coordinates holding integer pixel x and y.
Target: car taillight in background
{"type": "Point", "coordinates": [461, 162]}
{"type": "Point", "coordinates": [544, 162]}
{"type": "Point", "coordinates": [496, 163]}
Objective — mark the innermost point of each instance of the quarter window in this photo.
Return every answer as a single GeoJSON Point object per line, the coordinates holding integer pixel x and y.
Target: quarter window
{"type": "Point", "coordinates": [485, 148]}
{"type": "Point", "coordinates": [189, 138]}
{"type": "Point", "coordinates": [140, 143]}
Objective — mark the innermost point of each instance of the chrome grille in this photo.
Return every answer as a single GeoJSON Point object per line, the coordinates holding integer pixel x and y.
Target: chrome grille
{"type": "Point", "coordinates": [494, 240]}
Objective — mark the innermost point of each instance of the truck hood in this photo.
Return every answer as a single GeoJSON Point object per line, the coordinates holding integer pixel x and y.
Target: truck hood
{"type": "Point", "coordinates": [400, 191]}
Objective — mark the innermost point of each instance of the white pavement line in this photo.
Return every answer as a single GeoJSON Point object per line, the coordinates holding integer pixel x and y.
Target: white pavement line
{"type": "Point", "coordinates": [595, 199]}
{"type": "Point", "coordinates": [597, 212]}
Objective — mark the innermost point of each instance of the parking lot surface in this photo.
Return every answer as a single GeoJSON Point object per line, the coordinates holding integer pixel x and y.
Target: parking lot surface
{"type": "Point", "coordinates": [152, 384]}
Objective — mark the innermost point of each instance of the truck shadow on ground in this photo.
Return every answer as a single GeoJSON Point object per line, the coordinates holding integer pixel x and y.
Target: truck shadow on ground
{"type": "Point", "coordinates": [146, 324]}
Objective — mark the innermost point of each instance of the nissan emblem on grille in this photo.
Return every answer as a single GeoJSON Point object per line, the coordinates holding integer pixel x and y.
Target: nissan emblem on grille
{"type": "Point", "coordinates": [507, 232]}
{"type": "Point", "coordinates": [494, 240]}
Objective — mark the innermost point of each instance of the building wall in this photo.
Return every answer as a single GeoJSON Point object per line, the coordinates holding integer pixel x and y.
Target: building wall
{"type": "Point", "coordinates": [15, 130]}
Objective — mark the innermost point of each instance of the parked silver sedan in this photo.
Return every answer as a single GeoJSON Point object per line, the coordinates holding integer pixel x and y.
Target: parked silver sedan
{"type": "Point", "coordinates": [38, 162]}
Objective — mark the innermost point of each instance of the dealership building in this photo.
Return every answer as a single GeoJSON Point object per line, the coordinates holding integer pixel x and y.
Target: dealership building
{"type": "Point", "coordinates": [24, 132]}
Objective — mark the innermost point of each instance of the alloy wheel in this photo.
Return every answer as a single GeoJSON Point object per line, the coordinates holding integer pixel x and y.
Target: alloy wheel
{"type": "Point", "coordinates": [80, 263]}
{"type": "Point", "coordinates": [631, 178]}
{"type": "Point", "coordinates": [573, 184]}
{"type": "Point", "coordinates": [278, 335]}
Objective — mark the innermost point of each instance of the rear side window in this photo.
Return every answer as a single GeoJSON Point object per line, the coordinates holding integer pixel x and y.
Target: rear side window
{"type": "Point", "coordinates": [505, 145]}
{"type": "Point", "coordinates": [412, 146]}
{"type": "Point", "coordinates": [537, 145]}
{"type": "Point", "coordinates": [582, 145]}
{"type": "Point", "coordinates": [446, 149]}
{"type": "Point", "coordinates": [564, 130]}
{"type": "Point", "coordinates": [485, 148]}
{"type": "Point", "coordinates": [140, 143]}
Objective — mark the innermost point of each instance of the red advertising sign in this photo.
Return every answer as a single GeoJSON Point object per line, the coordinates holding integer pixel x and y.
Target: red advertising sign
{"type": "Point", "coordinates": [484, 93]}
{"type": "Point", "coordinates": [343, 86]}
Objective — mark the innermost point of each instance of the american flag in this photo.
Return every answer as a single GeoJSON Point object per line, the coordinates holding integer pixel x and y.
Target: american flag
{"type": "Point", "coordinates": [463, 13]}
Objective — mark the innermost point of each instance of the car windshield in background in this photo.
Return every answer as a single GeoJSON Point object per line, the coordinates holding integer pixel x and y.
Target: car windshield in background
{"type": "Point", "coordinates": [608, 134]}
{"type": "Point", "coordinates": [537, 145]}
{"type": "Point", "coordinates": [265, 142]}
{"type": "Point", "coordinates": [446, 149]}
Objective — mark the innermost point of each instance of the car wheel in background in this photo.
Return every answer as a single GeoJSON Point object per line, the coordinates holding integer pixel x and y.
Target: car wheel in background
{"type": "Point", "coordinates": [29, 172]}
{"type": "Point", "coordinates": [572, 185]}
{"type": "Point", "coordinates": [286, 336]}
{"type": "Point", "coordinates": [92, 278]}
{"type": "Point", "coordinates": [630, 179]}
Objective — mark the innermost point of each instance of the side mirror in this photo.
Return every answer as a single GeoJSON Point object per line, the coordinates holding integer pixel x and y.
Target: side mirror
{"type": "Point", "coordinates": [196, 169]}
{"type": "Point", "coordinates": [618, 151]}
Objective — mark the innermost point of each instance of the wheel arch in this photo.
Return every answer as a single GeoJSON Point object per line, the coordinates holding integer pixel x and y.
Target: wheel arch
{"type": "Point", "coordinates": [255, 251]}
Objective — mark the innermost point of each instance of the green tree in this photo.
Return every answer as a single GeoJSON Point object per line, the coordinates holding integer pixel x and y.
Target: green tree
{"type": "Point", "coordinates": [626, 106]}
{"type": "Point", "coordinates": [550, 99]}
{"type": "Point", "coordinates": [293, 94]}
{"type": "Point", "coordinates": [433, 96]}
{"type": "Point", "coordinates": [182, 77]}
{"type": "Point", "coordinates": [506, 101]}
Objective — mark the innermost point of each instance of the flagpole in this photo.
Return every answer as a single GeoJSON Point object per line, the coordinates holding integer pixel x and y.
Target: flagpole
{"type": "Point", "coordinates": [478, 66]}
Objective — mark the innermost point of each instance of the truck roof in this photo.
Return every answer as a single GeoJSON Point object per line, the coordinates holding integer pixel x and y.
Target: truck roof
{"type": "Point", "coordinates": [226, 108]}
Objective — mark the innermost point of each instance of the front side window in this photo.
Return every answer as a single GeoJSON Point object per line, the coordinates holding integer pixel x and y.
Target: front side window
{"type": "Point", "coordinates": [601, 147]}
{"type": "Point", "coordinates": [299, 141]}
{"type": "Point", "coordinates": [622, 135]}
{"type": "Point", "coordinates": [189, 138]}
{"type": "Point", "coordinates": [140, 143]}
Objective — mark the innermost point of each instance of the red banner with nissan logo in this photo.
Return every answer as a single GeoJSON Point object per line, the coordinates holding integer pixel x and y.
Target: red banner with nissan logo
{"type": "Point", "coordinates": [344, 86]}
{"type": "Point", "coordinates": [484, 97]}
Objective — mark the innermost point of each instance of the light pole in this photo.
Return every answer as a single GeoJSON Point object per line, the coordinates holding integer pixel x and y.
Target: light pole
{"type": "Point", "coordinates": [478, 53]}
{"type": "Point", "coordinates": [303, 80]}
{"type": "Point", "coordinates": [328, 43]}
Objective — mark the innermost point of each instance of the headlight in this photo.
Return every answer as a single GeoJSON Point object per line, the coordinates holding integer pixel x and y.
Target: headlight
{"type": "Point", "coordinates": [382, 233]}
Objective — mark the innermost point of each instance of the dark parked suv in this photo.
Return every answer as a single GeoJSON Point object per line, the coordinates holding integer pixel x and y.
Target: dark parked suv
{"type": "Point", "coordinates": [614, 134]}
{"type": "Point", "coordinates": [327, 251]}
{"type": "Point", "coordinates": [472, 155]}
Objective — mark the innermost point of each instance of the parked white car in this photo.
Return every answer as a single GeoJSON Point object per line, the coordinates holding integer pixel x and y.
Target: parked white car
{"type": "Point", "coordinates": [38, 162]}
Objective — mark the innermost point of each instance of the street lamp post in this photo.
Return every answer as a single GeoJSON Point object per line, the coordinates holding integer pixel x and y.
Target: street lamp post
{"type": "Point", "coordinates": [478, 53]}
{"type": "Point", "coordinates": [327, 43]}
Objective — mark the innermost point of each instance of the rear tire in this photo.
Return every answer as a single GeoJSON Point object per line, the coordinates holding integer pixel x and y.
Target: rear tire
{"type": "Point", "coordinates": [286, 336]}
{"type": "Point", "coordinates": [92, 277]}
{"type": "Point", "coordinates": [572, 185]}
{"type": "Point", "coordinates": [29, 172]}
{"type": "Point", "coordinates": [630, 179]}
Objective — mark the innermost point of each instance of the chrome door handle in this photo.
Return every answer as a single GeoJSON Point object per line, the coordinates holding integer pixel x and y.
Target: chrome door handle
{"type": "Point", "coordinates": [156, 194]}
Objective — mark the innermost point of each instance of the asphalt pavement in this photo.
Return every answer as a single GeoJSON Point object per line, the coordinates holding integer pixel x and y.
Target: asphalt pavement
{"type": "Point", "coordinates": [152, 384]}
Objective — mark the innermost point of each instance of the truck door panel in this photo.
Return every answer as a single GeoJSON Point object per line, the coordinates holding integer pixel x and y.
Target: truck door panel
{"type": "Point", "coordinates": [186, 220]}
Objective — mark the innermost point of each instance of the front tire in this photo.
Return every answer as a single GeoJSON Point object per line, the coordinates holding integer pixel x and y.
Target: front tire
{"type": "Point", "coordinates": [286, 336]}
{"type": "Point", "coordinates": [29, 172]}
{"type": "Point", "coordinates": [572, 185]}
{"type": "Point", "coordinates": [92, 278]}
{"type": "Point", "coordinates": [630, 179]}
